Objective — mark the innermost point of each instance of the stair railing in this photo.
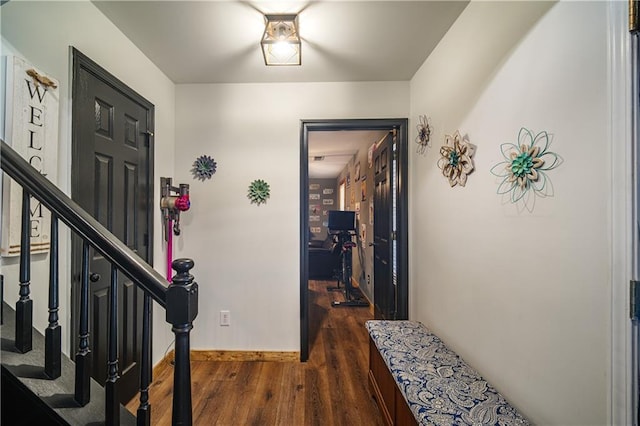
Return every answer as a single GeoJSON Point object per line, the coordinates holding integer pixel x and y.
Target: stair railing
{"type": "Point", "coordinates": [179, 299]}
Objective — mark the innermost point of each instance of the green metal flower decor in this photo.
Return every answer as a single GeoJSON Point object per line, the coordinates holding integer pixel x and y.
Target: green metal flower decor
{"type": "Point", "coordinates": [424, 134]}
{"type": "Point", "coordinates": [523, 171]}
{"type": "Point", "coordinates": [258, 192]}
{"type": "Point", "coordinates": [203, 168]}
{"type": "Point", "coordinates": [455, 159]}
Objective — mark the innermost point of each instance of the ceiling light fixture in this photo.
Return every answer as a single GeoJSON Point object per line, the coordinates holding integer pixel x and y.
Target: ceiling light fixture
{"type": "Point", "coordinates": [281, 41]}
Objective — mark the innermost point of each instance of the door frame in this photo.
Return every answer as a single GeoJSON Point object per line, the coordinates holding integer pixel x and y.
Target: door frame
{"type": "Point", "coordinates": [624, 139]}
{"type": "Point", "coordinates": [82, 62]}
{"type": "Point", "coordinates": [402, 211]}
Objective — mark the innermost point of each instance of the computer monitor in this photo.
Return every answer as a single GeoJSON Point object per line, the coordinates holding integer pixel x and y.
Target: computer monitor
{"type": "Point", "coordinates": [340, 220]}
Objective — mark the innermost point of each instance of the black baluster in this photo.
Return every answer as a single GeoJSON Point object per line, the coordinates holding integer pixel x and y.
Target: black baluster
{"type": "Point", "coordinates": [24, 306]}
{"type": "Point", "coordinates": [112, 403]}
{"type": "Point", "coordinates": [82, 393]}
{"type": "Point", "coordinates": [182, 309]}
{"type": "Point", "coordinates": [53, 335]}
{"type": "Point", "coordinates": [144, 410]}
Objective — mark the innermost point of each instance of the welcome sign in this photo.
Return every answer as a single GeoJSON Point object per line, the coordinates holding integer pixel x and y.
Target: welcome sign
{"type": "Point", "coordinates": [31, 129]}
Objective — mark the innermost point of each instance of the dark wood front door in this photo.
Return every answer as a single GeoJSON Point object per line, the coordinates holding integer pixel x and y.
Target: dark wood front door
{"type": "Point", "coordinates": [384, 293]}
{"type": "Point", "coordinates": [112, 180]}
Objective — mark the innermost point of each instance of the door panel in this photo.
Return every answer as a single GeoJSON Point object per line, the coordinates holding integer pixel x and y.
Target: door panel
{"type": "Point", "coordinates": [103, 182]}
{"type": "Point", "coordinates": [130, 205]}
{"type": "Point", "coordinates": [112, 169]}
{"type": "Point", "coordinates": [383, 287]}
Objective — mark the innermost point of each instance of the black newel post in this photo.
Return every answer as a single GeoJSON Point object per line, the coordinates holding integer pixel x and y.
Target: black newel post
{"type": "Point", "coordinates": [24, 305]}
{"type": "Point", "coordinates": [53, 333]}
{"type": "Point", "coordinates": [182, 309]}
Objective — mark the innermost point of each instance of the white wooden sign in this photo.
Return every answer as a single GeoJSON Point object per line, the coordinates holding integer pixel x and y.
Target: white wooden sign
{"type": "Point", "coordinates": [31, 129]}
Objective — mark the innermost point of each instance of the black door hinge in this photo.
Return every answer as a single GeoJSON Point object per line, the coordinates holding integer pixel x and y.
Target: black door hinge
{"type": "Point", "coordinates": [634, 300]}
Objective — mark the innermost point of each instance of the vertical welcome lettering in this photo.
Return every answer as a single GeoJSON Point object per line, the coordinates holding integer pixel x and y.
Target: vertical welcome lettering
{"type": "Point", "coordinates": [35, 129]}
{"type": "Point", "coordinates": [31, 129]}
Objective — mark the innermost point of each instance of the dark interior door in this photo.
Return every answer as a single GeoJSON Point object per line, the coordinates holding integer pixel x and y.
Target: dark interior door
{"type": "Point", "coordinates": [112, 181]}
{"type": "Point", "coordinates": [384, 293]}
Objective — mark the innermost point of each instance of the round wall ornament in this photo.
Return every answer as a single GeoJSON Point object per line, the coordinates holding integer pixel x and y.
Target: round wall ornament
{"type": "Point", "coordinates": [259, 192]}
{"type": "Point", "coordinates": [203, 168]}
{"type": "Point", "coordinates": [424, 134]}
{"type": "Point", "coordinates": [524, 168]}
{"type": "Point", "coordinates": [455, 159]}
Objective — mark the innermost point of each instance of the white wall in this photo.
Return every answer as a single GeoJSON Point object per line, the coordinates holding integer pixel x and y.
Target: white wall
{"type": "Point", "coordinates": [41, 33]}
{"type": "Point", "coordinates": [523, 297]}
{"type": "Point", "coordinates": [247, 256]}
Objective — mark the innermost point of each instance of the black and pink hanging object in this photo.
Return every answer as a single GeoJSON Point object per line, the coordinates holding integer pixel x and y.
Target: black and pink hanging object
{"type": "Point", "coordinates": [173, 201]}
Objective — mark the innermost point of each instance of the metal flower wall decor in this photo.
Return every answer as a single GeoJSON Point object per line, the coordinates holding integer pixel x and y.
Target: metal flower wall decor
{"type": "Point", "coordinates": [203, 168]}
{"type": "Point", "coordinates": [456, 159]}
{"type": "Point", "coordinates": [258, 192]}
{"type": "Point", "coordinates": [424, 134]}
{"type": "Point", "coordinates": [524, 168]}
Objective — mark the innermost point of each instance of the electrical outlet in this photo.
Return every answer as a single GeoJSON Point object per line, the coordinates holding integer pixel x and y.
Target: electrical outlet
{"type": "Point", "coordinates": [225, 318]}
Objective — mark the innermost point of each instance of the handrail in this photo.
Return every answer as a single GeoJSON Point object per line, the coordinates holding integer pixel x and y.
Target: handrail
{"type": "Point", "coordinates": [76, 218]}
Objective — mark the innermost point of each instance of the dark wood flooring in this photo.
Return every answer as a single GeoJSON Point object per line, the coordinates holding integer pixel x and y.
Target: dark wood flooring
{"type": "Point", "coordinates": [329, 389]}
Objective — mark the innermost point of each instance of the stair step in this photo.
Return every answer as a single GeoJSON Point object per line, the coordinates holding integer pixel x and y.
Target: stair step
{"type": "Point", "coordinates": [57, 395]}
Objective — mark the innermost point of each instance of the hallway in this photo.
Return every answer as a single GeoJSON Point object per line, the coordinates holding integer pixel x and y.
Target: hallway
{"type": "Point", "coordinates": [330, 389]}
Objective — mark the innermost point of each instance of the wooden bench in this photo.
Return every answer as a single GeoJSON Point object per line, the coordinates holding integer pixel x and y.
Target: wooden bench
{"type": "Point", "coordinates": [416, 379]}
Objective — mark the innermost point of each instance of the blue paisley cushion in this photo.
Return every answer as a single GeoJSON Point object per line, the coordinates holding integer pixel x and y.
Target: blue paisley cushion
{"type": "Point", "coordinates": [439, 387]}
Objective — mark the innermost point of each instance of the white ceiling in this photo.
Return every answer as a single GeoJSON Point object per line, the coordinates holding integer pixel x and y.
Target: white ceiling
{"type": "Point", "coordinates": [337, 148]}
{"type": "Point", "coordinates": [218, 41]}
{"type": "Point", "coordinates": [210, 41]}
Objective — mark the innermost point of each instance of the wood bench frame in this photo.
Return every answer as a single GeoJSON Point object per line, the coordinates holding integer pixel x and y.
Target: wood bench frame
{"type": "Point", "coordinates": [393, 406]}
{"type": "Point", "coordinates": [410, 388]}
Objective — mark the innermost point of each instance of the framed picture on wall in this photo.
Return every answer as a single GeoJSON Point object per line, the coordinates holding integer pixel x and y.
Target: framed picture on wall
{"type": "Point", "coordinates": [363, 190]}
{"type": "Point", "coordinates": [357, 173]}
{"type": "Point", "coordinates": [370, 155]}
{"type": "Point", "coordinates": [370, 212]}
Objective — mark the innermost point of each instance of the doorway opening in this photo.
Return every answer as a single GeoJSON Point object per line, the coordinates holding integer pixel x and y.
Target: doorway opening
{"type": "Point", "coordinates": [398, 201]}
